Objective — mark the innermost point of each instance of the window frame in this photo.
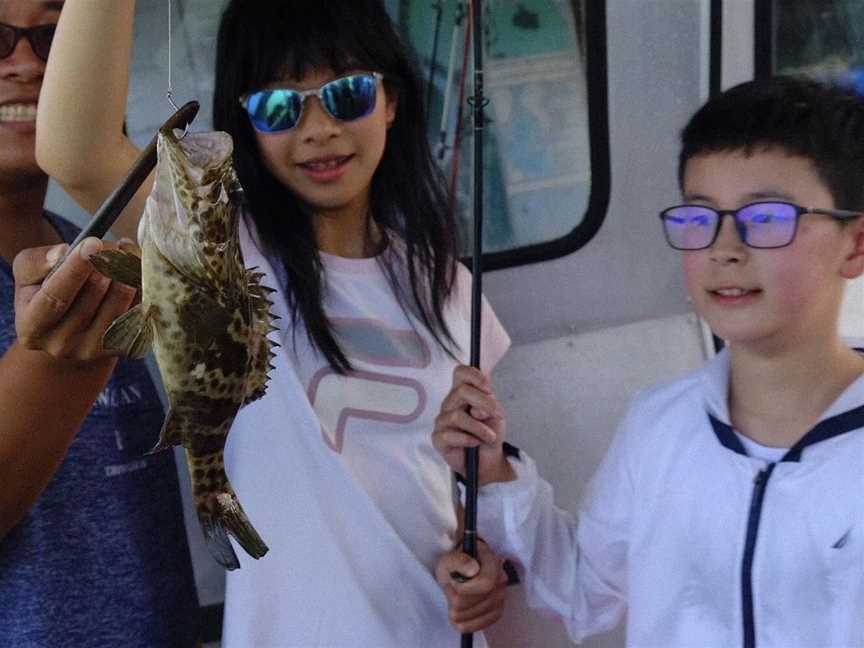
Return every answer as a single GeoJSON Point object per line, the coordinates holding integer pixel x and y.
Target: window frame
{"type": "Point", "coordinates": [715, 48]}
{"type": "Point", "coordinates": [598, 143]}
{"type": "Point", "coordinates": [764, 53]}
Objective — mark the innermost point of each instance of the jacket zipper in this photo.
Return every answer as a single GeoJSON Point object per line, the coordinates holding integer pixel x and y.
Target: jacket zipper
{"type": "Point", "coordinates": [753, 519]}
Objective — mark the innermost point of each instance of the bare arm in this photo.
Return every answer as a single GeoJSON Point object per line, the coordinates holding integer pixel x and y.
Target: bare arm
{"type": "Point", "coordinates": [47, 390]}
{"type": "Point", "coordinates": [82, 106]}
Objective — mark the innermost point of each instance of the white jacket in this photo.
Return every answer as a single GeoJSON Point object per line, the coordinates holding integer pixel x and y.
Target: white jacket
{"type": "Point", "coordinates": [701, 545]}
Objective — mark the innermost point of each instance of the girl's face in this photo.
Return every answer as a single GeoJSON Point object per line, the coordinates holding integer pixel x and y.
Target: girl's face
{"type": "Point", "coordinates": [327, 163]}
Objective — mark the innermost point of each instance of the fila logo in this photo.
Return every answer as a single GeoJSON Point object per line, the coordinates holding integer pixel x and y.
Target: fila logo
{"type": "Point", "coordinates": [363, 395]}
{"type": "Point", "coordinates": [367, 393]}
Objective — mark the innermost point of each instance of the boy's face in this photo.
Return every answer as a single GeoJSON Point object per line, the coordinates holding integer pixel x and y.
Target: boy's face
{"type": "Point", "coordinates": [769, 297]}
{"type": "Point", "coordinates": [20, 81]}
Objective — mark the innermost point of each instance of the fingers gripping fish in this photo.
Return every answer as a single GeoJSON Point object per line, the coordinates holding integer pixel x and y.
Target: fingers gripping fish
{"type": "Point", "coordinates": [205, 316]}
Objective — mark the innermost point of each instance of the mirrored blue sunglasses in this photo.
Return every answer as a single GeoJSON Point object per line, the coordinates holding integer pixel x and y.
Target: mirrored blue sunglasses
{"type": "Point", "coordinates": [760, 224]}
{"type": "Point", "coordinates": [346, 99]}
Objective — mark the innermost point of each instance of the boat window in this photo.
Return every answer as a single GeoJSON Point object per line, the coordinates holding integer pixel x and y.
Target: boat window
{"type": "Point", "coordinates": [821, 38]}
{"type": "Point", "coordinates": [546, 141]}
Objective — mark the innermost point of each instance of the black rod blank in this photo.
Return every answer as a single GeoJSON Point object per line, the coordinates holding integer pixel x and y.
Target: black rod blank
{"type": "Point", "coordinates": [114, 204]}
{"type": "Point", "coordinates": [472, 455]}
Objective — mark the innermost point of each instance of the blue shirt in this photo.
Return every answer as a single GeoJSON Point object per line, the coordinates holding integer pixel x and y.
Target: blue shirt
{"type": "Point", "coordinates": [102, 558]}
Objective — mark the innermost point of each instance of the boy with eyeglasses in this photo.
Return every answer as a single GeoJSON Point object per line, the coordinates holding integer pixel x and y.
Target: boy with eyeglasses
{"type": "Point", "coordinates": [729, 510]}
{"type": "Point", "coordinates": [93, 550]}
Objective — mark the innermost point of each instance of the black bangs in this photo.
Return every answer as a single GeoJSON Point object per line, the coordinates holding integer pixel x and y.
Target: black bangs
{"type": "Point", "coordinates": [823, 122]}
{"type": "Point", "coordinates": [274, 40]}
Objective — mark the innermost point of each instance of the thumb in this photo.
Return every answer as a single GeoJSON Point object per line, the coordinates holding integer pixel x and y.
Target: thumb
{"type": "Point", "coordinates": [31, 265]}
{"type": "Point", "coordinates": [457, 566]}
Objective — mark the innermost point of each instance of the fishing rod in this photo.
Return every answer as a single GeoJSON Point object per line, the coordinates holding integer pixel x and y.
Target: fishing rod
{"type": "Point", "coordinates": [114, 204]}
{"type": "Point", "coordinates": [472, 455]}
{"type": "Point", "coordinates": [448, 86]}
{"type": "Point", "coordinates": [459, 130]}
{"type": "Point", "coordinates": [438, 7]}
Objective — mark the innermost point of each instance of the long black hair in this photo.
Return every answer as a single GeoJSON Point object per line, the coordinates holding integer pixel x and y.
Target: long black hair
{"type": "Point", "coordinates": [261, 41]}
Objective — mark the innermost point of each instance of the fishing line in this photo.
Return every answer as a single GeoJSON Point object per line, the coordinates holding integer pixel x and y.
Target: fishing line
{"type": "Point", "coordinates": [170, 94]}
{"type": "Point", "coordinates": [448, 86]}
{"type": "Point", "coordinates": [433, 61]}
{"type": "Point", "coordinates": [457, 137]}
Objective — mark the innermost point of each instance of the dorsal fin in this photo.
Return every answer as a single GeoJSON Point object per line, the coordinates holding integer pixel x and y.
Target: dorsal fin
{"type": "Point", "coordinates": [261, 347]}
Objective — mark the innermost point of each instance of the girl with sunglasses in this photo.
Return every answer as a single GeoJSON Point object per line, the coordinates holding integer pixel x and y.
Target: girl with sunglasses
{"type": "Point", "coordinates": [346, 216]}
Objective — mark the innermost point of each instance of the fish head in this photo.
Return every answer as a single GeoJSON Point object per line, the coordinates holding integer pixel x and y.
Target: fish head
{"type": "Point", "coordinates": [202, 191]}
{"type": "Point", "coordinates": [192, 215]}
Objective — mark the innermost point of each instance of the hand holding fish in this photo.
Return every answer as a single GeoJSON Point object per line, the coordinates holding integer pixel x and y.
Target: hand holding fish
{"type": "Point", "coordinates": [67, 314]}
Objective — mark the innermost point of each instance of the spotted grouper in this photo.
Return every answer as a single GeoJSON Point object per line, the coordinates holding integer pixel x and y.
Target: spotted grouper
{"type": "Point", "coordinates": [205, 316]}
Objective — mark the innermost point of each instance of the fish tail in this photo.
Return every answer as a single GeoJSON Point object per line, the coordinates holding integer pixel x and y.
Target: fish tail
{"type": "Point", "coordinates": [226, 516]}
{"type": "Point", "coordinates": [219, 511]}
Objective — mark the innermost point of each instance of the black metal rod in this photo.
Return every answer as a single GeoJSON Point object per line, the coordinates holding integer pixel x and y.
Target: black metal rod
{"type": "Point", "coordinates": [113, 206]}
{"type": "Point", "coordinates": [472, 455]}
{"type": "Point", "coordinates": [433, 60]}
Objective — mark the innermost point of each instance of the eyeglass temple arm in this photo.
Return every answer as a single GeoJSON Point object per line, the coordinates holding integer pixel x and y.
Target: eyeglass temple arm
{"type": "Point", "coordinates": [840, 214]}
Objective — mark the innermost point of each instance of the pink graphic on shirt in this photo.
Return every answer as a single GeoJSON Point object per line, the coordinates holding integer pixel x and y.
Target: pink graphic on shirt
{"type": "Point", "coordinates": [364, 394]}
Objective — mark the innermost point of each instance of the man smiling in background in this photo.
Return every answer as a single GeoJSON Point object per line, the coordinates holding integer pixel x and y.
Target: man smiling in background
{"type": "Point", "coordinates": [92, 545]}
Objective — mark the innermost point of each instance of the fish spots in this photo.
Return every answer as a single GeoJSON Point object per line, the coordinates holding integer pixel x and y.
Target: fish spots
{"type": "Point", "coordinates": [205, 411]}
{"type": "Point", "coordinates": [207, 330]}
{"type": "Point", "coordinates": [203, 444]}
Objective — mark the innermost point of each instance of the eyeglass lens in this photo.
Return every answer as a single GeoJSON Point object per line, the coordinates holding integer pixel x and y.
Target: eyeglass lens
{"type": "Point", "coordinates": [40, 38]}
{"type": "Point", "coordinates": [760, 225]}
{"type": "Point", "coordinates": [345, 99]}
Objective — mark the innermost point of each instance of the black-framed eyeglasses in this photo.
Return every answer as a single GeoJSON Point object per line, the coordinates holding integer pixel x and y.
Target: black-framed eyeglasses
{"type": "Point", "coordinates": [760, 224]}
{"type": "Point", "coordinates": [40, 38]}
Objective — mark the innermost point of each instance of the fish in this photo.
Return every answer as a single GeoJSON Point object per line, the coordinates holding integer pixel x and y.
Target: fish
{"type": "Point", "coordinates": [205, 316]}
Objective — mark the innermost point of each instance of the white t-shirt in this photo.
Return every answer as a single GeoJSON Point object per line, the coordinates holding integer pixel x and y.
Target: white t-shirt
{"type": "Point", "coordinates": [339, 476]}
{"type": "Point", "coordinates": [700, 543]}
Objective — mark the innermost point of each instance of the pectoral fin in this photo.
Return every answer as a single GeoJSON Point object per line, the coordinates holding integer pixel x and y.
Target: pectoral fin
{"type": "Point", "coordinates": [131, 334]}
{"type": "Point", "coordinates": [118, 265]}
{"type": "Point", "coordinates": [171, 433]}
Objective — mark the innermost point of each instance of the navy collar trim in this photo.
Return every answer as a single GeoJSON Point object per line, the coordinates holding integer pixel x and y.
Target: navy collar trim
{"type": "Point", "coordinates": [824, 430]}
